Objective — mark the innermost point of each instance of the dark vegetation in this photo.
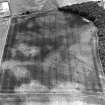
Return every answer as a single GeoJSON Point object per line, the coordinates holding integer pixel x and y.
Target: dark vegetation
{"type": "Point", "coordinates": [19, 34]}
{"type": "Point", "coordinates": [40, 34]}
{"type": "Point", "coordinates": [95, 13]}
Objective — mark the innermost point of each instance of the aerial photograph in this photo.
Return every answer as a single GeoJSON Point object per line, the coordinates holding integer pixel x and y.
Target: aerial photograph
{"type": "Point", "coordinates": [52, 52]}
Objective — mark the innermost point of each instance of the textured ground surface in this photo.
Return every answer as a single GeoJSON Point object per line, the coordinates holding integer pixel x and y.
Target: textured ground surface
{"type": "Point", "coordinates": [46, 54]}
{"type": "Point", "coordinates": [20, 6]}
{"type": "Point", "coordinates": [93, 12]}
{"type": "Point", "coordinates": [38, 52]}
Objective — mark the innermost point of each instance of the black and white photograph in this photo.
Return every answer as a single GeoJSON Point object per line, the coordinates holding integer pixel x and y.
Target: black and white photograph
{"type": "Point", "coordinates": [52, 52]}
